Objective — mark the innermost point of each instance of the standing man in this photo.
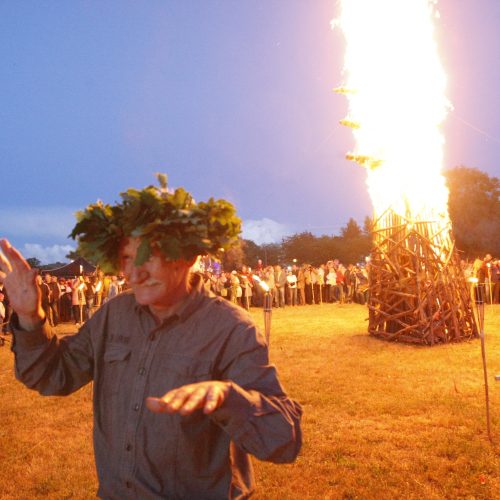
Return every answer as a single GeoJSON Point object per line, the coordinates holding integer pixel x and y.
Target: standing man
{"type": "Point", "coordinates": [55, 298]}
{"type": "Point", "coordinates": [183, 388]}
{"type": "Point", "coordinates": [45, 298]}
{"type": "Point", "coordinates": [3, 312]}
{"type": "Point", "coordinates": [280, 283]}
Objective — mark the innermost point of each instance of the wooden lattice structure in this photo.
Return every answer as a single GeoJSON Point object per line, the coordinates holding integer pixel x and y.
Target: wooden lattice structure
{"type": "Point", "coordinates": [418, 292]}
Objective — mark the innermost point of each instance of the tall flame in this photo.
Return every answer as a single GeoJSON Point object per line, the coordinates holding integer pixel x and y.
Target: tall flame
{"type": "Point", "coordinates": [396, 90]}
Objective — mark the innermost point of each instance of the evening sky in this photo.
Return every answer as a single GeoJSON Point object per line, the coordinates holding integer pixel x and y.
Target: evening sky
{"type": "Point", "coordinates": [232, 99]}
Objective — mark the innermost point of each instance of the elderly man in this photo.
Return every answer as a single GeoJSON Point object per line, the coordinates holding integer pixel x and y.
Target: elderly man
{"type": "Point", "coordinates": [183, 390]}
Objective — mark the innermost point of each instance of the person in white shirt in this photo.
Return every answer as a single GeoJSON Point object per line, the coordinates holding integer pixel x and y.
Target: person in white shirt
{"type": "Point", "coordinates": [291, 280]}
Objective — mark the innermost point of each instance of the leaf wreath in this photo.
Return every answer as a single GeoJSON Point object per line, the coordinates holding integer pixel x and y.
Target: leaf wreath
{"type": "Point", "coordinates": [171, 222]}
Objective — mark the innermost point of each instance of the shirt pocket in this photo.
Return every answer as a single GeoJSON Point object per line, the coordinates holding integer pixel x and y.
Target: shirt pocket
{"type": "Point", "coordinates": [175, 370]}
{"type": "Point", "coordinates": [116, 358]}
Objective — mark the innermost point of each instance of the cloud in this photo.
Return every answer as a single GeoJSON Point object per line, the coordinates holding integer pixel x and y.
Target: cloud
{"type": "Point", "coordinates": [47, 254]}
{"type": "Point", "coordinates": [48, 222]}
{"type": "Point", "coordinates": [264, 231]}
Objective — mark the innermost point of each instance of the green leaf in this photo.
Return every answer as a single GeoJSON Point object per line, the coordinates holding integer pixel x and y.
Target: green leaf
{"type": "Point", "coordinates": [143, 252]}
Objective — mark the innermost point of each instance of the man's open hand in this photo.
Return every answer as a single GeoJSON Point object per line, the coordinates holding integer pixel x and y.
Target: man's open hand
{"type": "Point", "coordinates": [186, 399]}
{"type": "Point", "coordinates": [20, 282]}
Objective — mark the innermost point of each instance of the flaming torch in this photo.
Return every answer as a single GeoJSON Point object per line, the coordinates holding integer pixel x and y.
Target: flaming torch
{"type": "Point", "coordinates": [268, 306]}
{"type": "Point", "coordinates": [395, 86]}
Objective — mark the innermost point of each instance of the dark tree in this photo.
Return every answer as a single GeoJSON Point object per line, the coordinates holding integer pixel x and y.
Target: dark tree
{"type": "Point", "coordinates": [354, 243]}
{"type": "Point", "coordinates": [273, 253]}
{"type": "Point", "coordinates": [33, 262]}
{"type": "Point", "coordinates": [368, 225]}
{"type": "Point", "coordinates": [253, 252]}
{"type": "Point", "coordinates": [474, 206]}
{"type": "Point", "coordinates": [73, 255]}
{"type": "Point", "coordinates": [351, 230]}
{"type": "Point", "coordinates": [233, 258]}
{"type": "Point", "coordinates": [302, 246]}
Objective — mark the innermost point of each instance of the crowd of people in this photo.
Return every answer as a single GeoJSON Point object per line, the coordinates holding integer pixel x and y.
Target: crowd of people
{"type": "Point", "coordinates": [290, 285]}
{"type": "Point", "coordinates": [75, 299]}
{"type": "Point", "coordinates": [72, 299]}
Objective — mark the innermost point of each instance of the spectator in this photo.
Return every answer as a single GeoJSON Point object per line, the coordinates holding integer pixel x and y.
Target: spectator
{"type": "Point", "coordinates": [45, 293]}
{"type": "Point", "coordinates": [3, 313]}
{"type": "Point", "coordinates": [114, 288]}
{"type": "Point", "coordinates": [301, 285]}
{"type": "Point", "coordinates": [236, 291]}
{"type": "Point", "coordinates": [279, 286]}
{"type": "Point", "coordinates": [65, 300]}
{"type": "Point", "coordinates": [292, 288]}
{"type": "Point", "coordinates": [495, 280]}
{"type": "Point", "coordinates": [78, 299]}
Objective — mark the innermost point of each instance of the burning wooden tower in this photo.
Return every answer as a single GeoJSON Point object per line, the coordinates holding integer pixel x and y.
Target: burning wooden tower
{"type": "Point", "coordinates": [418, 291]}
{"type": "Point", "coordinates": [395, 86]}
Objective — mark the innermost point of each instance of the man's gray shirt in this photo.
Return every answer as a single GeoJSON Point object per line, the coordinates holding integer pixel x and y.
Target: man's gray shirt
{"type": "Point", "coordinates": [140, 454]}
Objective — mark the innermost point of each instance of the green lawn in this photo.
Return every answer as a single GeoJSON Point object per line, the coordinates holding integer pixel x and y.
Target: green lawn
{"type": "Point", "coordinates": [381, 420]}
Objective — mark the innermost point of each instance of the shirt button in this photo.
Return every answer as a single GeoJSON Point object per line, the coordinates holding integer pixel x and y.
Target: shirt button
{"type": "Point", "coordinates": [136, 407]}
{"type": "Point", "coordinates": [128, 447]}
{"type": "Point", "coordinates": [128, 484]}
{"type": "Point", "coordinates": [142, 371]}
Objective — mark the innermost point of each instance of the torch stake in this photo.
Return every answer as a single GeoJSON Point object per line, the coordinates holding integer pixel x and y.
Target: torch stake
{"type": "Point", "coordinates": [480, 294]}
{"type": "Point", "coordinates": [268, 310]}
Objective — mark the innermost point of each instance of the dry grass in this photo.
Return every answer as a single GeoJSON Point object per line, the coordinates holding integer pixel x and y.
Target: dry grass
{"type": "Point", "coordinates": [380, 420]}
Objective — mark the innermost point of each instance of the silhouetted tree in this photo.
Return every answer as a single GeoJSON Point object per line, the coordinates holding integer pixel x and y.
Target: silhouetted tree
{"type": "Point", "coordinates": [368, 225]}
{"type": "Point", "coordinates": [33, 262]}
{"type": "Point", "coordinates": [233, 258]}
{"type": "Point", "coordinates": [351, 230]}
{"type": "Point", "coordinates": [72, 255]}
{"type": "Point", "coordinates": [253, 252]}
{"type": "Point", "coordinates": [354, 244]}
{"type": "Point", "coordinates": [474, 206]}
{"type": "Point", "coordinates": [273, 253]}
{"type": "Point", "coordinates": [301, 246]}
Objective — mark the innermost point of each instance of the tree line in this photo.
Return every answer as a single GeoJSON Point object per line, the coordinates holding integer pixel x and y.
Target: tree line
{"type": "Point", "coordinates": [474, 207]}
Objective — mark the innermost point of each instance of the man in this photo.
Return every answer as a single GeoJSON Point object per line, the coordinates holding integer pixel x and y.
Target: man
{"type": "Point", "coordinates": [484, 277]}
{"type": "Point", "coordinates": [182, 385]}
{"type": "Point", "coordinates": [3, 312]}
{"type": "Point", "coordinates": [280, 283]}
{"type": "Point", "coordinates": [46, 298]}
{"type": "Point", "coordinates": [55, 296]}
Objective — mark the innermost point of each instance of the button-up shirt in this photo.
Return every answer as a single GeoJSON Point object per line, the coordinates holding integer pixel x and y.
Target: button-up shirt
{"type": "Point", "coordinates": [129, 356]}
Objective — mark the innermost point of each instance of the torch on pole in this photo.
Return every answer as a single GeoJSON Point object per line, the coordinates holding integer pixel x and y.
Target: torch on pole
{"type": "Point", "coordinates": [268, 307]}
{"type": "Point", "coordinates": [479, 299]}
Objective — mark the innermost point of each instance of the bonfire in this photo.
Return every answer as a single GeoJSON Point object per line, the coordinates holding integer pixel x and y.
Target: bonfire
{"type": "Point", "coordinates": [395, 85]}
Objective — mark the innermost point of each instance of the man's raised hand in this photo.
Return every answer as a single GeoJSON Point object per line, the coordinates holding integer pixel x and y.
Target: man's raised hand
{"type": "Point", "coordinates": [185, 400]}
{"type": "Point", "coordinates": [20, 282]}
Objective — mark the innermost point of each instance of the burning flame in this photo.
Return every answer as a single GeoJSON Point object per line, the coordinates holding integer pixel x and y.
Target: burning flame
{"type": "Point", "coordinates": [396, 91]}
{"type": "Point", "coordinates": [262, 284]}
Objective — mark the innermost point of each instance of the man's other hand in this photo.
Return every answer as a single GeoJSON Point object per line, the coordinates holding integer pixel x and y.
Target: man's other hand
{"type": "Point", "coordinates": [185, 400]}
{"type": "Point", "coordinates": [20, 282]}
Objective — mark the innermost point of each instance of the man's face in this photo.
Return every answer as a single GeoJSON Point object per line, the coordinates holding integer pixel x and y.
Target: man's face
{"type": "Point", "coordinates": [47, 278]}
{"type": "Point", "coordinates": [157, 283]}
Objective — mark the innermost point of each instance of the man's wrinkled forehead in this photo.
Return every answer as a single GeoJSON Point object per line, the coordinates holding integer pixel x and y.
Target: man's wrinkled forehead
{"type": "Point", "coordinates": [129, 245]}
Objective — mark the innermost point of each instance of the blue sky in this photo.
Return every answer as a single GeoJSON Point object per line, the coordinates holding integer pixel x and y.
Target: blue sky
{"type": "Point", "coordinates": [232, 99]}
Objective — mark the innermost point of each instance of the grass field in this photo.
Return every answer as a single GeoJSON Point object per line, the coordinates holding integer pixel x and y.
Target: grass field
{"type": "Point", "coordinates": [380, 420]}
